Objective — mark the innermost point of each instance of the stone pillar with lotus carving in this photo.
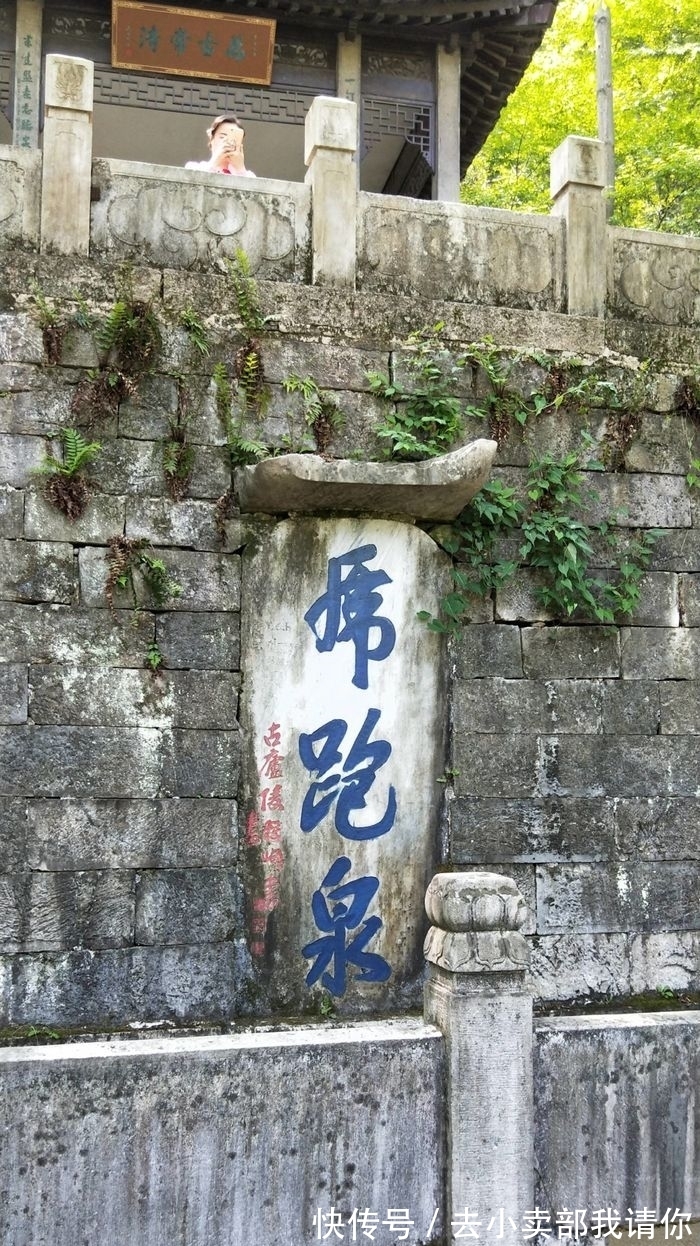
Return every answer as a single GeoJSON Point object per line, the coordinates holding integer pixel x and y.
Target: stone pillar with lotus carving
{"type": "Point", "coordinates": [66, 177]}
{"type": "Point", "coordinates": [477, 993]}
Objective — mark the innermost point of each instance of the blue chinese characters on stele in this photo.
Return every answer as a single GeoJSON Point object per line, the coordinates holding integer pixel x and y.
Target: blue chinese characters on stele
{"type": "Point", "coordinates": [343, 774]}
{"type": "Point", "coordinates": [337, 914]}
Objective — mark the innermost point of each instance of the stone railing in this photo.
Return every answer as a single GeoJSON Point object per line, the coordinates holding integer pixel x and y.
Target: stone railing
{"type": "Point", "coordinates": [325, 232]}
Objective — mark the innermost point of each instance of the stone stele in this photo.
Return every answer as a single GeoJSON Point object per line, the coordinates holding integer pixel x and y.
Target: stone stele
{"type": "Point", "coordinates": [436, 489]}
{"type": "Point", "coordinates": [341, 763]}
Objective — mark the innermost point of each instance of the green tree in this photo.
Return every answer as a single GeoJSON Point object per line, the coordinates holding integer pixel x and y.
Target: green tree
{"type": "Point", "coordinates": [656, 76]}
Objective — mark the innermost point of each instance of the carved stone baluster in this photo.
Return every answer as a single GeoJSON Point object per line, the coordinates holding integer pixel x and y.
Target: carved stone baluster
{"type": "Point", "coordinates": [330, 143]}
{"type": "Point", "coordinates": [476, 992]}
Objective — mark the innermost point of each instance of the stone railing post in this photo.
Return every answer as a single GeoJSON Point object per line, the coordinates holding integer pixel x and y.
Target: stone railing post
{"type": "Point", "coordinates": [65, 185]}
{"type": "Point", "coordinates": [476, 993]}
{"type": "Point", "coordinates": [577, 179]}
{"type": "Point", "coordinates": [330, 143]}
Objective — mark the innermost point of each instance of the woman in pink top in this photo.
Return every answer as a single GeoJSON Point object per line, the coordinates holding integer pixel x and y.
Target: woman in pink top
{"type": "Point", "coordinates": [225, 136]}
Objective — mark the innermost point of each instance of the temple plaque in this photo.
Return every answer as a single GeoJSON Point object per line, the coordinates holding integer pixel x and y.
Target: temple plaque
{"type": "Point", "coordinates": [191, 42]}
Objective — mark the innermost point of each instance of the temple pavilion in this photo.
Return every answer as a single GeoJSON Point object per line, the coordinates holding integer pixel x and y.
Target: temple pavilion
{"type": "Point", "coordinates": [429, 77]}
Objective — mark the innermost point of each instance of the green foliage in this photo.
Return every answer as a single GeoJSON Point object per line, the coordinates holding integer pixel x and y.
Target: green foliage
{"type": "Point", "coordinates": [473, 540]}
{"type": "Point", "coordinates": [657, 119]}
{"type": "Point", "coordinates": [693, 476]}
{"type": "Point", "coordinates": [53, 325]}
{"type": "Point", "coordinates": [426, 419]}
{"type": "Point", "coordinates": [178, 454]}
{"type": "Point", "coordinates": [321, 414]}
{"type": "Point", "coordinates": [553, 541]}
{"type": "Point", "coordinates": [130, 334]}
{"type": "Point", "coordinates": [127, 558]}
{"type": "Point", "coordinates": [195, 329]}
{"type": "Point", "coordinates": [154, 657]}
{"type": "Point", "coordinates": [63, 481]}
{"type": "Point", "coordinates": [243, 450]}
{"type": "Point", "coordinates": [246, 293]}
{"type": "Point", "coordinates": [77, 453]}
{"type": "Point", "coordinates": [250, 374]}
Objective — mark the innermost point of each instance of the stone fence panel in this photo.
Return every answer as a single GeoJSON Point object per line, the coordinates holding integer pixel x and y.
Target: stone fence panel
{"type": "Point", "coordinates": [20, 196]}
{"type": "Point", "coordinates": [471, 255]}
{"type": "Point", "coordinates": [653, 277]}
{"type": "Point", "coordinates": [189, 219]}
{"type": "Point", "coordinates": [616, 1113]}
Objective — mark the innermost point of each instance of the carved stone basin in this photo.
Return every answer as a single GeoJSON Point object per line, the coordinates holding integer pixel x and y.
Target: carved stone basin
{"type": "Point", "coordinates": [435, 489]}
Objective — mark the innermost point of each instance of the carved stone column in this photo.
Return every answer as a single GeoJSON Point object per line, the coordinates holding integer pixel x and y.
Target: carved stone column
{"type": "Point", "coordinates": [476, 992]}
{"type": "Point", "coordinates": [65, 187]}
{"type": "Point", "coordinates": [577, 178]}
{"type": "Point", "coordinates": [330, 143]}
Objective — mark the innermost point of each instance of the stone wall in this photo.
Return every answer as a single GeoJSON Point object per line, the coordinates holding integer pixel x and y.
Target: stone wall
{"type": "Point", "coordinates": [574, 755]}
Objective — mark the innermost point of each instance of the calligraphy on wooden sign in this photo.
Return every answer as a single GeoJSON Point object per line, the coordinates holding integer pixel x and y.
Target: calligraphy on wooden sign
{"type": "Point", "coordinates": [191, 42]}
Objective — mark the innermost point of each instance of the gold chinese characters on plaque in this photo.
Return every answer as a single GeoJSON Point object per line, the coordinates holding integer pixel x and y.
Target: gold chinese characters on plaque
{"type": "Point", "coordinates": [192, 42]}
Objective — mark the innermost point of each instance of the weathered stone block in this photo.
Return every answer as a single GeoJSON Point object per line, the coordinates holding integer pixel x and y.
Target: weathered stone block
{"type": "Point", "coordinates": [19, 458]}
{"type": "Point", "coordinates": [485, 831]}
{"type": "Point", "coordinates": [630, 707]}
{"type": "Point", "coordinates": [186, 906]}
{"type": "Point", "coordinates": [208, 581]}
{"type": "Point", "coordinates": [527, 707]}
{"type": "Point", "coordinates": [570, 652]}
{"type": "Point", "coordinates": [164, 522]}
{"type": "Point", "coordinates": [36, 571]}
{"type": "Point", "coordinates": [20, 339]}
{"type": "Point", "coordinates": [136, 468]}
{"type": "Point", "coordinates": [39, 401]}
{"type": "Point", "coordinates": [13, 694]}
{"type": "Point", "coordinates": [634, 896]}
{"type": "Point", "coordinates": [483, 650]}
{"type": "Point", "coordinates": [145, 416]}
{"type": "Point", "coordinates": [98, 988]}
{"type": "Point", "coordinates": [660, 653]}
{"type": "Point", "coordinates": [80, 761]}
{"type": "Point", "coordinates": [664, 444]}
{"type": "Point", "coordinates": [690, 596]}
{"type": "Point", "coordinates": [620, 766]}
{"type": "Point", "coordinates": [662, 960]}
{"type": "Point", "coordinates": [572, 966]}
{"type": "Point", "coordinates": [103, 518]}
{"type": "Point", "coordinates": [658, 829]}
{"type": "Point", "coordinates": [127, 698]}
{"type": "Point", "coordinates": [503, 765]}
{"type": "Point", "coordinates": [201, 641]}
{"type": "Point", "coordinates": [11, 511]}
{"type": "Point", "coordinates": [13, 835]}
{"type": "Point", "coordinates": [74, 636]}
{"type": "Point", "coordinates": [640, 501]}
{"type": "Point", "coordinates": [79, 349]}
{"type": "Point", "coordinates": [518, 600]}
{"type": "Point", "coordinates": [119, 834]}
{"type": "Point", "coordinates": [64, 910]}
{"type": "Point", "coordinates": [331, 366]}
{"type": "Point", "coordinates": [201, 763]}
{"type": "Point", "coordinates": [11, 896]}
{"type": "Point", "coordinates": [680, 707]}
